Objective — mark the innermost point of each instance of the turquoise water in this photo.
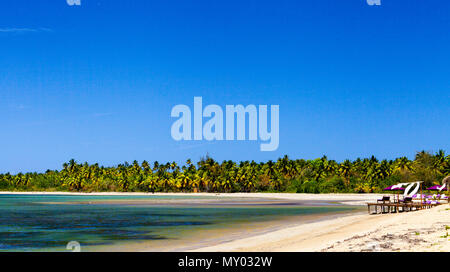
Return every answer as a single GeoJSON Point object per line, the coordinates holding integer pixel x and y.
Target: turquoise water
{"type": "Point", "coordinates": [31, 223]}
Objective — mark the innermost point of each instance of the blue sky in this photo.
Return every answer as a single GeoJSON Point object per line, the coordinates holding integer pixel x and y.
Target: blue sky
{"type": "Point", "coordinates": [97, 82]}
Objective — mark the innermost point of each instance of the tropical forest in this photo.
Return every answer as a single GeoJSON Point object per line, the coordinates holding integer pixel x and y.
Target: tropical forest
{"type": "Point", "coordinates": [322, 175]}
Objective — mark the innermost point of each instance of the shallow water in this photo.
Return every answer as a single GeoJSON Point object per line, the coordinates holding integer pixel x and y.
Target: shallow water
{"type": "Point", "coordinates": [36, 223]}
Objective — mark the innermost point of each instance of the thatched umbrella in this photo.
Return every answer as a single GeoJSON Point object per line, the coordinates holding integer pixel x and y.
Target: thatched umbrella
{"type": "Point", "coordinates": [437, 188]}
{"type": "Point", "coordinates": [446, 181]}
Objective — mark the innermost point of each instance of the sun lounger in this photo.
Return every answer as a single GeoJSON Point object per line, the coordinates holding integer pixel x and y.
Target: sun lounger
{"type": "Point", "coordinates": [384, 199]}
{"type": "Point", "coordinates": [407, 200]}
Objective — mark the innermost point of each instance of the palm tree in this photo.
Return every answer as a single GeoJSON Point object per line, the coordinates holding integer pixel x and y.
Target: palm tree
{"type": "Point", "coordinates": [345, 171]}
{"type": "Point", "coordinates": [403, 165]}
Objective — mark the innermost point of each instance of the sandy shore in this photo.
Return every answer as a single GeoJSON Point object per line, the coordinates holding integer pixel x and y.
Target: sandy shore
{"type": "Point", "coordinates": [413, 231]}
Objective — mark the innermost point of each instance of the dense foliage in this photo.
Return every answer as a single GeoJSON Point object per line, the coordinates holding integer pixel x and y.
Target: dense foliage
{"type": "Point", "coordinates": [284, 175]}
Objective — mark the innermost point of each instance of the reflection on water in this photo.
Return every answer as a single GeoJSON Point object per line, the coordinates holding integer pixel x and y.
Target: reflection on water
{"type": "Point", "coordinates": [30, 223]}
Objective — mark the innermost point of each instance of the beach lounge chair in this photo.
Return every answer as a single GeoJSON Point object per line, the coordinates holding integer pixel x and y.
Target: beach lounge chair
{"type": "Point", "coordinates": [385, 199]}
{"type": "Point", "coordinates": [407, 200]}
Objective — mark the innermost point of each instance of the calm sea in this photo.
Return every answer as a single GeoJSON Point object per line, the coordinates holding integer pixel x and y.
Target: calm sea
{"type": "Point", "coordinates": [49, 222]}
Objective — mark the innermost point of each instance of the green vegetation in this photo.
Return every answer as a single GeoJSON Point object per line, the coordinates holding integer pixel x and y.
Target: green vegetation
{"type": "Point", "coordinates": [285, 175]}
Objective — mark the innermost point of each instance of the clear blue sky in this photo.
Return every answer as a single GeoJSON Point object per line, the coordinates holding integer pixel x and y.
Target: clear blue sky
{"type": "Point", "coordinates": [97, 82]}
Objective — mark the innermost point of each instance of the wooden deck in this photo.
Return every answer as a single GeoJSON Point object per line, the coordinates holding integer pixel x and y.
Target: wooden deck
{"type": "Point", "coordinates": [390, 207]}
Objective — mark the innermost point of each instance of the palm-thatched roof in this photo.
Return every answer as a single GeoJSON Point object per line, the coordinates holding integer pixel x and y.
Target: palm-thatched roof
{"type": "Point", "coordinates": [446, 181]}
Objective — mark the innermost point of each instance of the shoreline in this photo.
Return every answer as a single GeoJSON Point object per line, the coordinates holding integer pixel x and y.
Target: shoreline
{"type": "Point", "coordinates": [344, 199]}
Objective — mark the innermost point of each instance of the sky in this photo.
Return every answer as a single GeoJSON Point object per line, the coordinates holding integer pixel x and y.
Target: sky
{"type": "Point", "coordinates": [97, 82]}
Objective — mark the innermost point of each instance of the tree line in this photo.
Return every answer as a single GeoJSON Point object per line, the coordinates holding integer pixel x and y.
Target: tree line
{"type": "Point", "coordinates": [320, 175]}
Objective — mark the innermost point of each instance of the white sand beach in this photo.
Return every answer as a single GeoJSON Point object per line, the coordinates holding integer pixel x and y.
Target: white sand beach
{"type": "Point", "coordinates": [423, 230]}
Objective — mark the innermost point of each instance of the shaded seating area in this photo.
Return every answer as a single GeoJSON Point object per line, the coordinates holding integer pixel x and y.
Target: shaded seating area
{"type": "Point", "coordinates": [377, 208]}
{"type": "Point", "coordinates": [411, 200]}
{"type": "Point", "coordinates": [440, 197]}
